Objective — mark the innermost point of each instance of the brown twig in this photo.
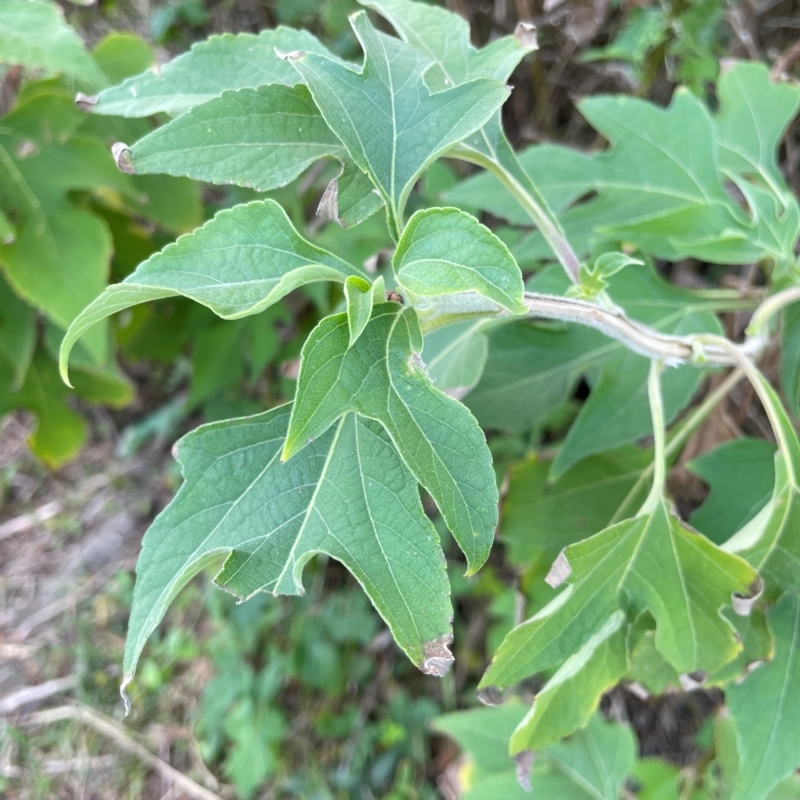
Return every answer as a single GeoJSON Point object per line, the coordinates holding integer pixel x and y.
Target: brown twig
{"type": "Point", "coordinates": [116, 733]}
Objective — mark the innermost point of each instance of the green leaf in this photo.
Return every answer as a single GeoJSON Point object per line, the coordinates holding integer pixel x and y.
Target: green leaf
{"type": "Point", "coordinates": [532, 369]}
{"type": "Point", "coordinates": [757, 647]}
{"type": "Point", "coordinates": [445, 252]}
{"type": "Point", "coordinates": [790, 357]}
{"type": "Point", "coordinates": [570, 697]}
{"type": "Point", "coordinates": [258, 138]}
{"type": "Point", "coordinates": [540, 517]}
{"type": "Point", "coordinates": [646, 665]}
{"type": "Point", "coordinates": [7, 232]}
{"type": "Point", "coordinates": [239, 263]}
{"type": "Point", "coordinates": [771, 540]}
{"type": "Point", "coordinates": [207, 70]}
{"type": "Point", "coordinates": [660, 188]}
{"type": "Point", "coordinates": [741, 475]}
{"type": "Point", "coordinates": [648, 563]}
{"type": "Point", "coordinates": [562, 176]}
{"type": "Point", "coordinates": [455, 356]}
{"type": "Point", "coordinates": [765, 707]}
{"type": "Point", "coordinates": [591, 765]}
{"type": "Point", "coordinates": [33, 33]}
{"type": "Point", "coordinates": [484, 733]}
{"type": "Point", "coordinates": [360, 297]}
{"type": "Point", "coordinates": [386, 117]}
{"type": "Point", "coordinates": [41, 162]}
{"type": "Point", "coordinates": [17, 332]}
{"type": "Point", "coordinates": [121, 55]}
{"type": "Point", "coordinates": [754, 113]}
{"type": "Point", "coordinates": [381, 377]}
{"type": "Point", "coordinates": [60, 432]}
{"type": "Point", "coordinates": [267, 519]}
{"type": "Point", "coordinates": [444, 37]}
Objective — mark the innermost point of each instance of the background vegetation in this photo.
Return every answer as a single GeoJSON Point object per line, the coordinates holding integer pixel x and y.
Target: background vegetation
{"type": "Point", "coordinates": [288, 697]}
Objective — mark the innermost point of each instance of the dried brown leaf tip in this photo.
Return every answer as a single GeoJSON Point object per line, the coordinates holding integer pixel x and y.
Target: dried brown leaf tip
{"type": "Point", "coordinates": [524, 762]}
{"type": "Point", "coordinates": [742, 604]}
{"type": "Point", "coordinates": [294, 55]}
{"type": "Point", "coordinates": [85, 102]}
{"type": "Point", "coordinates": [490, 696]}
{"type": "Point", "coordinates": [526, 33]}
{"type": "Point", "coordinates": [436, 656]}
{"type": "Point", "coordinates": [328, 207]}
{"type": "Point", "coordinates": [122, 157]}
{"type": "Point", "coordinates": [559, 572]}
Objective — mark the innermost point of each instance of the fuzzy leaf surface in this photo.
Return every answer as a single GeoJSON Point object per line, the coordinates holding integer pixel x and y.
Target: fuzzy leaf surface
{"type": "Point", "coordinates": [648, 563]}
{"type": "Point", "coordinates": [444, 251]}
{"type": "Point", "coordinates": [391, 124]}
{"type": "Point", "coordinates": [207, 70]}
{"type": "Point", "coordinates": [568, 700]}
{"type": "Point", "coordinates": [379, 377]}
{"type": "Point", "coordinates": [445, 38]}
{"type": "Point", "coordinates": [765, 708]}
{"type": "Point", "coordinates": [257, 138]}
{"type": "Point", "coordinates": [268, 518]}
{"type": "Point", "coordinates": [239, 263]}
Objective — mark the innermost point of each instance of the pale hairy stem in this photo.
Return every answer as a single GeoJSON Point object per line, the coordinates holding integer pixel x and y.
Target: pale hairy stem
{"type": "Point", "coordinates": [532, 203]}
{"type": "Point", "coordinates": [659, 439]}
{"type": "Point", "coordinates": [681, 433]}
{"type": "Point", "coordinates": [642, 339]}
{"type": "Point", "coordinates": [760, 384]}
{"type": "Point", "coordinates": [771, 306]}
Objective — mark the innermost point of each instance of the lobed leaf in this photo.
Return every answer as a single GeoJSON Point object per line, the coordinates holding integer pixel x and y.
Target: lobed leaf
{"type": "Point", "coordinates": [771, 540]}
{"type": "Point", "coordinates": [239, 263]}
{"type": "Point", "coordinates": [258, 138]}
{"type": "Point", "coordinates": [444, 37]}
{"type": "Point", "coordinates": [765, 707]}
{"type": "Point", "coordinates": [348, 494]}
{"type": "Point", "coordinates": [648, 563]}
{"type": "Point", "coordinates": [540, 517]}
{"type": "Point", "coordinates": [207, 70]}
{"type": "Point", "coordinates": [569, 699]}
{"type": "Point", "coordinates": [444, 251]}
{"type": "Point", "coordinates": [385, 116]}
{"type": "Point", "coordinates": [381, 377]}
{"type": "Point", "coordinates": [591, 765]}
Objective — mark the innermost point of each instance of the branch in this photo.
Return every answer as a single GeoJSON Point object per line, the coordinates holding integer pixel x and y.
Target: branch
{"type": "Point", "coordinates": [642, 339]}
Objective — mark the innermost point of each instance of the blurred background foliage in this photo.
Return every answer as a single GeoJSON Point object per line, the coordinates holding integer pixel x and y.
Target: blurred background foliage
{"type": "Point", "coordinates": [278, 697]}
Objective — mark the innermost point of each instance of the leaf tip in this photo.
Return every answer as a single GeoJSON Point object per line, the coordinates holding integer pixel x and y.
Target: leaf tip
{"type": "Point", "coordinates": [559, 572]}
{"type": "Point", "coordinates": [525, 33]}
{"type": "Point", "coordinates": [524, 762]}
{"type": "Point", "coordinates": [328, 207]}
{"type": "Point", "coordinates": [85, 102]}
{"type": "Point", "coordinates": [743, 604]}
{"type": "Point", "coordinates": [436, 656]}
{"type": "Point", "coordinates": [292, 55]}
{"type": "Point", "coordinates": [122, 158]}
{"type": "Point", "coordinates": [127, 678]}
{"type": "Point", "coordinates": [490, 696]}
